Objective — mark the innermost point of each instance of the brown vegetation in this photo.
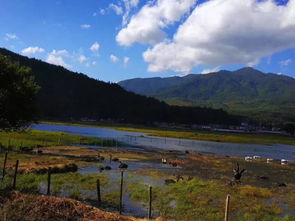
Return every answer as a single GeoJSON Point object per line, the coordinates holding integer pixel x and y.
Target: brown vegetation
{"type": "Point", "coordinates": [18, 206]}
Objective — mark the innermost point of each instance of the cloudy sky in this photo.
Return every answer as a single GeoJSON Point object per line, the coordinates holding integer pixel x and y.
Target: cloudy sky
{"type": "Point", "coordinates": [113, 40]}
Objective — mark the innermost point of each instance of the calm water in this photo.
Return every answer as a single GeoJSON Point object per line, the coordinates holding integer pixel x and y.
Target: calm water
{"type": "Point", "coordinates": [143, 140]}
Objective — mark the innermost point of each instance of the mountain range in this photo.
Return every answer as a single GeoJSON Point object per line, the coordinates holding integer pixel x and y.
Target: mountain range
{"type": "Point", "coordinates": [264, 97]}
{"type": "Point", "coordinates": [66, 95]}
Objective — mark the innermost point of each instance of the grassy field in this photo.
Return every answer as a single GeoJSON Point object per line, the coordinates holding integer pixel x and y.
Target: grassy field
{"type": "Point", "coordinates": [200, 195]}
{"type": "Point", "coordinates": [32, 138]}
{"type": "Point", "coordinates": [227, 137]}
{"type": "Point", "coordinates": [217, 136]}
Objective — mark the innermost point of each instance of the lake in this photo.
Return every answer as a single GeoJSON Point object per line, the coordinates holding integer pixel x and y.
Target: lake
{"type": "Point", "coordinates": [130, 139]}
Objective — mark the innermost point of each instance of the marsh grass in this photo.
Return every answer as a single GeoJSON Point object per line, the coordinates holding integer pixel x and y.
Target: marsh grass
{"type": "Point", "coordinates": [73, 185]}
{"type": "Point", "coordinates": [204, 200]}
{"type": "Point", "coordinates": [196, 199]}
{"type": "Point", "coordinates": [76, 185]}
{"type": "Point", "coordinates": [27, 183]}
{"type": "Point", "coordinates": [217, 136]}
{"type": "Point", "coordinates": [32, 138]}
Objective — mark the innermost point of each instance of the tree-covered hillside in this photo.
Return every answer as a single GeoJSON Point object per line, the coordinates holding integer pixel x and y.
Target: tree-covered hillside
{"type": "Point", "coordinates": [264, 97]}
{"type": "Point", "coordinates": [65, 95]}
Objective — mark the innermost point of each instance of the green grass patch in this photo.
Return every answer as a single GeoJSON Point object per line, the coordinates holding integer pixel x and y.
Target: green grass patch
{"type": "Point", "coordinates": [205, 200]}
{"type": "Point", "coordinates": [217, 136]}
{"type": "Point", "coordinates": [32, 138]}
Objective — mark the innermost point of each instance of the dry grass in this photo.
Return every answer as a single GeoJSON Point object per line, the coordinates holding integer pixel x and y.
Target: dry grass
{"type": "Point", "coordinates": [34, 208]}
{"type": "Point", "coordinates": [82, 152]}
{"type": "Point", "coordinates": [25, 207]}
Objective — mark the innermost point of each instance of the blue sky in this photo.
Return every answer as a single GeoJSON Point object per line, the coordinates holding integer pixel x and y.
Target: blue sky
{"type": "Point", "coordinates": [121, 39]}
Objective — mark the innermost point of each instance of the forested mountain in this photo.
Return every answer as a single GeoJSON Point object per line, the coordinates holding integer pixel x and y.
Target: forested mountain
{"type": "Point", "coordinates": [264, 97]}
{"type": "Point", "coordinates": [65, 95]}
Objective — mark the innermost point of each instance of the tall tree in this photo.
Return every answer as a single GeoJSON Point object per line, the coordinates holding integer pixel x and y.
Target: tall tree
{"type": "Point", "coordinates": [17, 95]}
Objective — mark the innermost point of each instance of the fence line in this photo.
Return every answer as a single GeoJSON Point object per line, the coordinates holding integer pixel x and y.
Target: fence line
{"type": "Point", "coordinates": [98, 187]}
{"type": "Point", "coordinates": [150, 194]}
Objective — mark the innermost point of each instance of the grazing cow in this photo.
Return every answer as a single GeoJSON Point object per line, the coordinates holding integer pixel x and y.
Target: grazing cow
{"type": "Point", "coordinates": [101, 168]}
{"type": "Point", "coordinates": [123, 165]}
{"type": "Point", "coordinates": [108, 168]}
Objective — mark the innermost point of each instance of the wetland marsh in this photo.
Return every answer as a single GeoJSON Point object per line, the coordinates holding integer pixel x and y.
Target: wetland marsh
{"type": "Point", "coordinates": [192, 185]}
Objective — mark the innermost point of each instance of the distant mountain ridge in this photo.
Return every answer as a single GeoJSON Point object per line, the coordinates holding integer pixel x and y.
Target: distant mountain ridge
{"type": "Point", "coordinates": [268, 97]}
{"type": "Point", "coordinates": [66, 95]}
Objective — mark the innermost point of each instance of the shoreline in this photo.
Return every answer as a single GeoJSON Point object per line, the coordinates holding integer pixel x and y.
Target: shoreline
{"type": "Point", "coordinates": [201, 135]}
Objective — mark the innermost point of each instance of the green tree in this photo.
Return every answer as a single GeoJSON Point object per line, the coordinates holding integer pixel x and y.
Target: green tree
{"type": "Point", "coordinates": [18, 91]}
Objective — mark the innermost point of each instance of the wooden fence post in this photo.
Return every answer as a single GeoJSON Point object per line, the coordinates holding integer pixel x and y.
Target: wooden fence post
{"type": "Point", "coordinates": [48, 181]}
{"type": "Point", "coordinates": [150, 203]}
{"type": "Point", "coordinates": [226, 207]}
{"type": "Point", "coordinates": [15, 173]}
{"type": "Point", "coordinates": [98, 192]}
{"type": "Point", "coordinates": [121, 192]}
{"type": "Point", "coordinates": [8, 143]}
{"type": "Point", "coordinates": [4, 165]}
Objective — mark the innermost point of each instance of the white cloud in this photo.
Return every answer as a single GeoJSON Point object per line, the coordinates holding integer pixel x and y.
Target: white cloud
{"type": "Point", "coordinates": [114, 58]}
{"type": "Point", "coordinates": [116, 8]}
{"type": "Point", "coordinates": [60, 52]}
{"type": "Point", "coordinates": [134, 3]}
{"type": "Point", "coordinates": [32, 50]}
{"type": "Point", "coordinates": [222, 32]}
{"type": "Point", "coordinates": [146, 26]}
{"type": "Point", "coordinates": [102, 11]}
{"type": "Point", "coordinates": [95, 47]}
{"type": "Point", "coordinates": [123, 8]}
{"type": "Point", "coordinates": [9, 36]}
{"type": "Point", "coordinates": [56, 57]}
{"type": "Point", "coordinates": [285, 62]}
{"type": "Point", "coordinates": [212, 70]}
{"type": "Point", "coordinates": [85, 26]}
{"type": "Point", "coordinates": [82, 58]}
{"type": "Point", "coordinates": [128, 5]}
{"type": "Point", "coordinates": [126, 60]}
